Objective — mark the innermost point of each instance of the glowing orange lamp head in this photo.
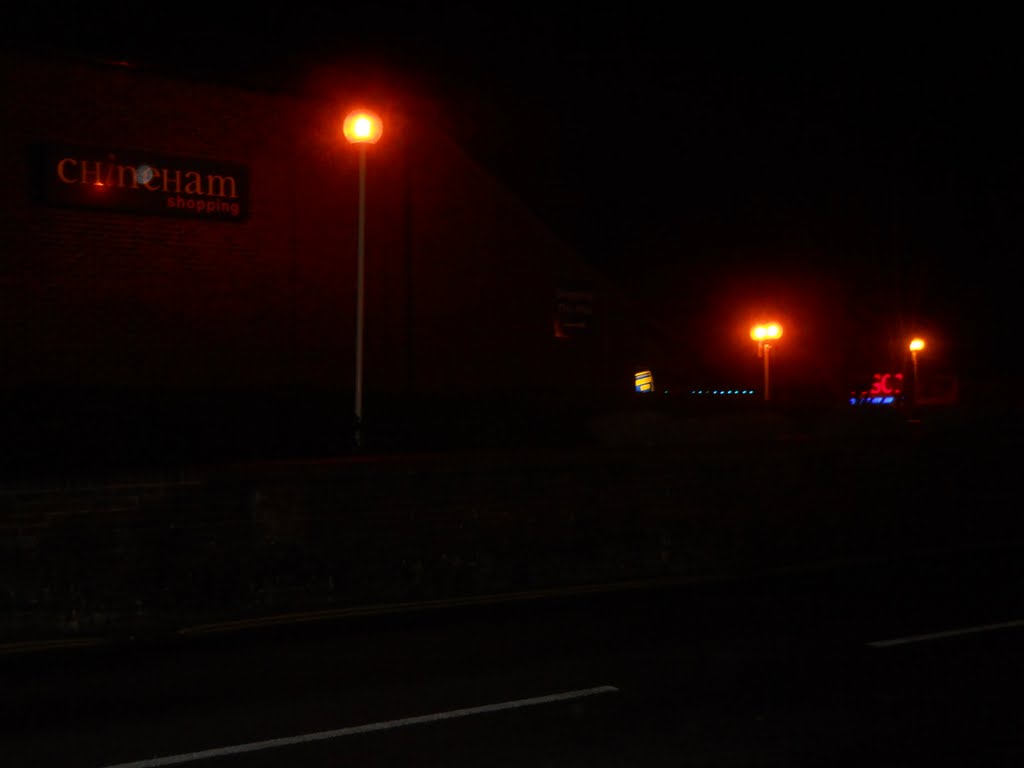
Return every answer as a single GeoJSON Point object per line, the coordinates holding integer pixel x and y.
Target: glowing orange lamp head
{"type": "Point", "coordinates": [766, 332]}
{"type": "Point", "coordinates": [362, 127]}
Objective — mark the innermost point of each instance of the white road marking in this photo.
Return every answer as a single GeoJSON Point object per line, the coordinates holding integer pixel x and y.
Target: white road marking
{"type": "Point", "coordinates": [949, 633]}
{"type": "Point", "coordinates": [288, 741]}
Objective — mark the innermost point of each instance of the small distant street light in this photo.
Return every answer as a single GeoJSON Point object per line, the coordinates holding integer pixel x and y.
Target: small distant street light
{"type": "Point", "coordinates": [916, 345]}
{"type": "Point", "coordinates": [764, 335]}
{"type": "Point", "coordinates": [361, 127]}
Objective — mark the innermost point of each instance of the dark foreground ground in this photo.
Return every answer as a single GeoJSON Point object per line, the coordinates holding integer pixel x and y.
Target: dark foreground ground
{"type": "Point", "coordinates": [98, 555]}
{"type": "Point", "coordinates": [911, 661]}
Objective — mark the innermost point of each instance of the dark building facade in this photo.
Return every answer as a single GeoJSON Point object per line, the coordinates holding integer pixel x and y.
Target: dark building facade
{"type": "Point", "coordinates": [178, 269]}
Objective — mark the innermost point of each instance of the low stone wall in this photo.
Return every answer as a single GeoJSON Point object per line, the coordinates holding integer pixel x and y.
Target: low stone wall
{"type": "Point", "coordinates": [138, 554]}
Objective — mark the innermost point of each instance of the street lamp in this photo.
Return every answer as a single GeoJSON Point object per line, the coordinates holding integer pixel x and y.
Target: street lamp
{"type": "Point", "coordinates": [916, 345]}
{"type": "Point", "coordinates": [361, 127]}
{"type": "Point", "coordinates": [763, 335]}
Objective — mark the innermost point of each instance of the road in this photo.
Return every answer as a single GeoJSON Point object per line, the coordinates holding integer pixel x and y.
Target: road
{"type": "Point", "coordinates": [913, 661]}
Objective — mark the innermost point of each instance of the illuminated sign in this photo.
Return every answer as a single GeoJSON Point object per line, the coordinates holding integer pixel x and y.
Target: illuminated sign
{"type": "Point", "coordinates": [885, 389]}
{"type": "Point", "coordinates": [643, 381]}
{"type": "Point", "coordinates": [142, 182]}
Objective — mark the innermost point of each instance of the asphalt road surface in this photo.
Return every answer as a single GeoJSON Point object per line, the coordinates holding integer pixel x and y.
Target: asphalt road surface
{"type": "Point", "coordinates": [880, 663]}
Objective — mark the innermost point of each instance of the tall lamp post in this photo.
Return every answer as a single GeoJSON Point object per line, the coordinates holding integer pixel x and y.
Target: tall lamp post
{"type": "Point", "coordinates": [764, 335]}
{"type": "Point", "coordinates": [916, 345]}
{"type": "Point", "coordinates": [361, 127]}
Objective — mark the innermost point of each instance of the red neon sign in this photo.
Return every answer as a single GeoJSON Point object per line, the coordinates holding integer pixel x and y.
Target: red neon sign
{"type": "Point", "coordinates": [885, 389]}
{"type": "Point", "coordinates": [883, 384]}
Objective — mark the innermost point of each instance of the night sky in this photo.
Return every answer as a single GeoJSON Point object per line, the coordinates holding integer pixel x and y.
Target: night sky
{"type": "Point", "coordinates": [860, 176]}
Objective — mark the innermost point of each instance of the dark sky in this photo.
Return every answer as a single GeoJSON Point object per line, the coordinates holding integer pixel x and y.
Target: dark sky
{"type": "Point", "coordinates": [723, 156]}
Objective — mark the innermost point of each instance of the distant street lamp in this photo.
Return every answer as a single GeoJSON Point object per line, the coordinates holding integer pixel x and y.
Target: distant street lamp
{"type": "Point", "coordinates": [361, 127]}
{"type": "Point", "coordinates": [763, 335]}
{"type": "Point", "coordinates": [916, 345]}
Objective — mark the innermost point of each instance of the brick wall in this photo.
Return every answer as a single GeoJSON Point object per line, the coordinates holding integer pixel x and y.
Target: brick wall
{"type": "Point", "coordinates": [168, 314]}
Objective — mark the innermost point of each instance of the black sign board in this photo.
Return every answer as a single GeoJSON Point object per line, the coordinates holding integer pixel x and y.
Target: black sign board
{"type": "Point", "coordinates": [142, 182]}
{"type": "Point", "coordinates": [574, 310]}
